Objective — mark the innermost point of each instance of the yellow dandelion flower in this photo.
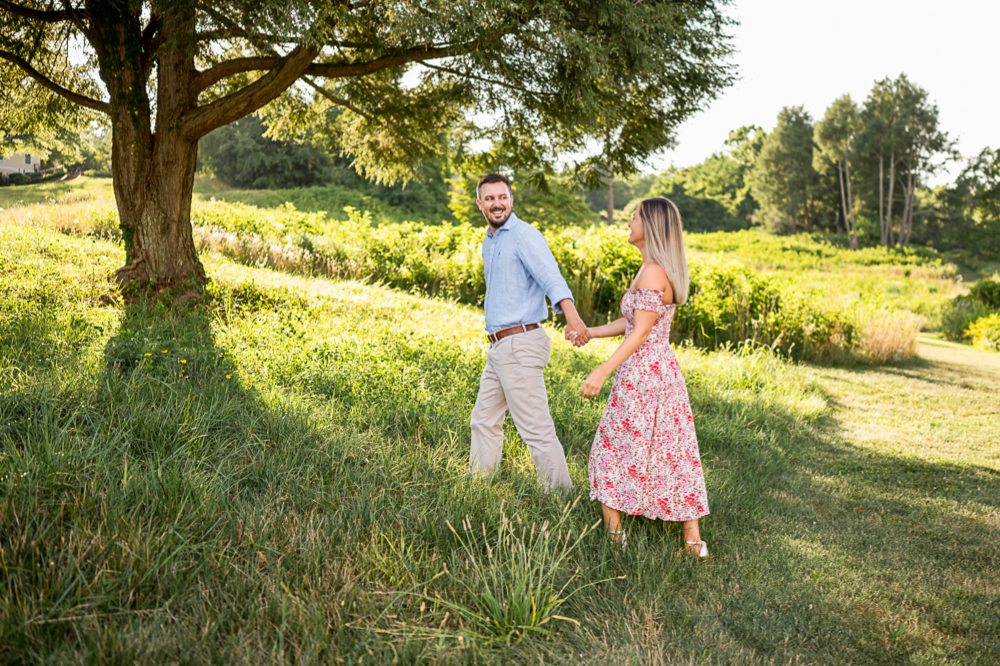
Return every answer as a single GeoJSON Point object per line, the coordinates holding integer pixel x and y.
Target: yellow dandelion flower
{"type": "Point", "coordinates": [164, 351]}
{"type": "Point", "coordinates": [228, 376]}
{"type": "Point", "coordinates": [183, 360]}
{"type": "Point", "coordinates": [147, 354]}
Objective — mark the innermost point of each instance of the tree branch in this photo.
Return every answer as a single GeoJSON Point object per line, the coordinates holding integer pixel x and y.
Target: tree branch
{"type": "Point", "coordinates": [45, 82]}
{"type": "Point", "coordinates": [198, 122]}
{"type": "Point", "coordinates": [150, 44]}
{"type": "Point", "coordinates": [484, 79]}
{"type": "Point", "coordinates": [45, 16]}
{"type": "Point", "coordinates": [416, 54]}
{"type": "Point", "coordinates": [213, 75]}
{"type": "Point", "coordinates": [326, 70]}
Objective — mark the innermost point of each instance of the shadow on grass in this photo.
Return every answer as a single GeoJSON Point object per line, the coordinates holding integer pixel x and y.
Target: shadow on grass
{"type": "Point", "coordinates": [868, 557]}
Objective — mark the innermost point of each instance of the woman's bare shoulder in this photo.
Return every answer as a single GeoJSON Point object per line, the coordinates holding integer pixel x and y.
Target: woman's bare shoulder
{"type": "Point", "coordinates": [652, 276]}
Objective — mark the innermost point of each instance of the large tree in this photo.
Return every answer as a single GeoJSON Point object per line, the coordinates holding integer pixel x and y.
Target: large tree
{"type": "Point", "coordinates": [834, 138]}
{"type": "Point", "coordinates": [168, 72]}
{"type": "Point", "coordinates": [900, 142]}
{"type": "Point", "coordinates": [783, 179]}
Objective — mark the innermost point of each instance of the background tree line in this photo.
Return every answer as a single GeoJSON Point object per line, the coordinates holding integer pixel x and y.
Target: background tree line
{"type": "Point", "coordinates": [861, 171]}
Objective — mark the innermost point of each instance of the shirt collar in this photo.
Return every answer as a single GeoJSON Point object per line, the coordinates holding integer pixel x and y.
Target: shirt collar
{"type": "Point", "coordinates": [509, 224]}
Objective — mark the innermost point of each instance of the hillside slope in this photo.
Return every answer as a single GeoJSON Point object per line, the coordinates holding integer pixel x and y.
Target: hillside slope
{"type": "Point", "coordinates": [274, 476]}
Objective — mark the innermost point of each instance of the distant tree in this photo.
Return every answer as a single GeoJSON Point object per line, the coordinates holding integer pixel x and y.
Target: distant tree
{"type": "Point", "coordinates": [834, 138]}
{"type": "Point", "coordinates": [783, 179]}
{"type": "Point", "coordinates": [983, 178]}
{"type": "Point", "coordinates": [626, 189]}
{"type": "Point", "coordinates": [901, 142]}
{"type": "Point", "coordinates": [552, 73]}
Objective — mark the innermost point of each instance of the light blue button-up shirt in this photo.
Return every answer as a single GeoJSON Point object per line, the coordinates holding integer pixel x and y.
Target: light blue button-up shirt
{"type": "Point", "coordinates": [520, 273]}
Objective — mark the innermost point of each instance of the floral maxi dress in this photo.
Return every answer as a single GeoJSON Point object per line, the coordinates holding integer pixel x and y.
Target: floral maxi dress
{"type": "Point", "coordinates": [645, 460]}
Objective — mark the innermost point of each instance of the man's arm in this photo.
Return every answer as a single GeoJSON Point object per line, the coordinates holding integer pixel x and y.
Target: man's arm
{"type": "Point", "coordinates": [537, 259]}
{"type": "Point", "coordinates": [576, 331]}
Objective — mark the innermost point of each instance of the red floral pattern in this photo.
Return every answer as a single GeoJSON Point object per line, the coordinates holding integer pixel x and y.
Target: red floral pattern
{"type": "Point", "coordinates": [645, 459]}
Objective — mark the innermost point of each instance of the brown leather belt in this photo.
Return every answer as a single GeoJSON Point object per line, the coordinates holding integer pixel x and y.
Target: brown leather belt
{"type": "Point", "coordinates": [513, 330]}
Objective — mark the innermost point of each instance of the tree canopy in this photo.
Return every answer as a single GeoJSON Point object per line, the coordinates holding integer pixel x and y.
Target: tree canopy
{"type": "Point", "coordinates": [542, 75]}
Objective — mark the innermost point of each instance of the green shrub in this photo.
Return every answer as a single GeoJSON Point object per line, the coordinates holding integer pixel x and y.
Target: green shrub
{"type": "Point", "coordinates": [957, 315]}
{"type": "Point", "coordinates": [985, 332]}
{"type": "Point", "coordinates": [729, 303]}
{"type": "Point", "coordinates": [987, 291]}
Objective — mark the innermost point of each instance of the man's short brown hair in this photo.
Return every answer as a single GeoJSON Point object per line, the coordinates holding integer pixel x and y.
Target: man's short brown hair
{"type": "Point", "coordinates": [492, 178]}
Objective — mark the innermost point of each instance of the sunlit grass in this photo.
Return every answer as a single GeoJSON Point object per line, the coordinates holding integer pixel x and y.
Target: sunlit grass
{"type": "Point", "coordinates": [285, 495]}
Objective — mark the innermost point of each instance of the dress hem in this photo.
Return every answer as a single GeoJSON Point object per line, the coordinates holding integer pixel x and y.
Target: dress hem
{"type": "Point", "coordinates": [595, 497]}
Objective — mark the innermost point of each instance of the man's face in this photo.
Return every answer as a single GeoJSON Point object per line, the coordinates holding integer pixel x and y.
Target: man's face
{"type": "Point", "coordinates": [495, 202]}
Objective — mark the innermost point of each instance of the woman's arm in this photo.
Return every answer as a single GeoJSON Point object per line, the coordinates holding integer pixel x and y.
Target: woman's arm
{"type": "Point", "coordinates": [612, 330]}
{"type": "Point", "coordinates": [652, 278]}
{"type": "Point", "coordinates": [640, 331]}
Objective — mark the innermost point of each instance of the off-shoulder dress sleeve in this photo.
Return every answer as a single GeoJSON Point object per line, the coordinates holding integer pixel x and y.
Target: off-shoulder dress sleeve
{"type": "Point", "coordinates": [650, 300]}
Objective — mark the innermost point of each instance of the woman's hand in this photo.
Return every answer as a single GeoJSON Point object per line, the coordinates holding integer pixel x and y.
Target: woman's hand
{"type": "Point", "coordinates": [594, 383]}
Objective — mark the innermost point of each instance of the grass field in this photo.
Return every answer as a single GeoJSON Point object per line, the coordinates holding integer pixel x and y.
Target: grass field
{"type": "Point", "coordinates": [99, 192]}
{"type": "Point", "coordinates": [276, 476]}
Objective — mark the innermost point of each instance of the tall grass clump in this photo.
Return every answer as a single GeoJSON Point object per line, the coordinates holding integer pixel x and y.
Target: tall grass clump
{"type": "Point", "coordinates": [518, 576]}
{"type": "Point", "coordinates": [887, 336]}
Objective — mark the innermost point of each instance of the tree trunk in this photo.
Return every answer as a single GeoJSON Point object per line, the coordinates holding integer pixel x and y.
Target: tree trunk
{"type": "Point", "coordinates": [881, 197]}
{"type": "Point", "coordinates": [611, 195]}
{"type": "Point", "coordinates": [843, 197]}
{"type": "Point", "coordinates": [888, 212]}
{"type": "Point", "coordinates": [153, 172]}
{"type": "Point", "coordinates": [850, 202]}
{"type": "Point", "coordinates": [155, 215]}
{"type": "Point", "coordinates": [907, 222]}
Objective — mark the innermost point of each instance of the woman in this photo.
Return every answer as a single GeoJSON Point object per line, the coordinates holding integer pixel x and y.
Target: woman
{"type": "Point", "coordinates": [645, 460]}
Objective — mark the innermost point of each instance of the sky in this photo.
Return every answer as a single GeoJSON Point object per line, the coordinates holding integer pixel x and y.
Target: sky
{"type": "Point", "coordinates": [807, 53]}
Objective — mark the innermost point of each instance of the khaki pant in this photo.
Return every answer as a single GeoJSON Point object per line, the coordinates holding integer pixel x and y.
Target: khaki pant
{"type": "Point", "coordinates": [512, 379]}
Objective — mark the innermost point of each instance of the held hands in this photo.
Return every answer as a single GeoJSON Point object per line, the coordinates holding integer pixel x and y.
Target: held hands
{"type": "Point", "coordinates": [593, 384]}
{"type": "Point", "coordinates": [577, 333]}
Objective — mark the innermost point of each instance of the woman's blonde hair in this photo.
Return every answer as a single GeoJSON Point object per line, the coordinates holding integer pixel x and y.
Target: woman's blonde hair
{"type": "Point", "coordinates": [661, 226]}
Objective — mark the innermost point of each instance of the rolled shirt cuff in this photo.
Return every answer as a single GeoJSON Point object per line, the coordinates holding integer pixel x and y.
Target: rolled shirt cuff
{"type": "Point", "coordinates": [558, 297]}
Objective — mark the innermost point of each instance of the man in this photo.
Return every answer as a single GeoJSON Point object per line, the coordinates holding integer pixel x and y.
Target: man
{"type": "Point", "coordinates": [520, 273]}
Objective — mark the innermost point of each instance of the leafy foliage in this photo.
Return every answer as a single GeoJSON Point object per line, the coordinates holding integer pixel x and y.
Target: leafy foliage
{"type": "Point", "coordinates": [985, 332]}
{"type": "Point", "coordinates": [240, 155]}
{"type": "Point", "coordinates": [548, 203]}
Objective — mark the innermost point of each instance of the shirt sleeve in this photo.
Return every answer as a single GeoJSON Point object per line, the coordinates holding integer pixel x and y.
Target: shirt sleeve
{"type": "Point", "coordinates": [537, 259]}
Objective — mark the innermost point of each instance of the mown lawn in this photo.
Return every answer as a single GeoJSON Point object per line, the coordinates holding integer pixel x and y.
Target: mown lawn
{"type": "Point", "coordinates": [276, 476]}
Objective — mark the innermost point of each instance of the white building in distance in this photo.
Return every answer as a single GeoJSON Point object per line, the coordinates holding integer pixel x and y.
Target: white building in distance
{"type": "Point", "coordinates": [19, 163]}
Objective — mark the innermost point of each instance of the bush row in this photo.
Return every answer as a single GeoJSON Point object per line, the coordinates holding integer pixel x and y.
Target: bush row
{"type": "Point", "coordinates": [729, 304]}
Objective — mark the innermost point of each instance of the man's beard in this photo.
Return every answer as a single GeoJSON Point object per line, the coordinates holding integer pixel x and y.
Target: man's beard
{"type": "Point", "coordinates": [497, 225]}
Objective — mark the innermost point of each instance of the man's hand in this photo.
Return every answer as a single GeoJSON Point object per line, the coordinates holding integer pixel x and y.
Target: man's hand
{"type": "Point", "coordinates": [576, 330]}
{"type": "Point", "coordinates": [574, 336]}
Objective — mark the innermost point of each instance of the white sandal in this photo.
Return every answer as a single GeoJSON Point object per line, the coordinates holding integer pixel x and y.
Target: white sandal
{"type": "Point", "coordinates": [618, 533]}
{"type": "Point", "coordinates": [703, 551]}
